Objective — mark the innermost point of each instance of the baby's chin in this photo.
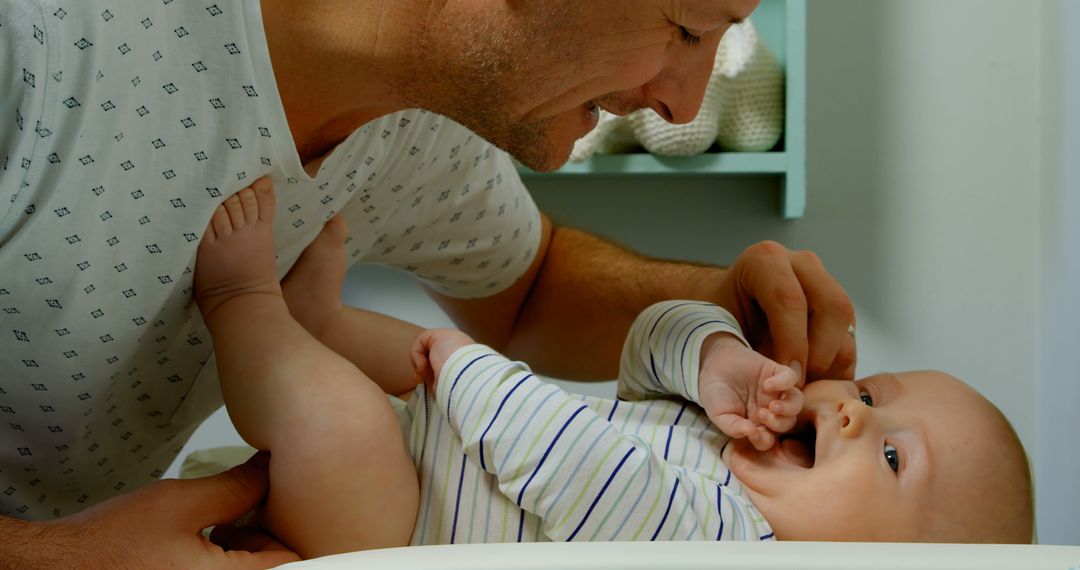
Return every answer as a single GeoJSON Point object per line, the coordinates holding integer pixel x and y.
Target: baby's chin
{"type": "Point", "coordinates": [764, 472]}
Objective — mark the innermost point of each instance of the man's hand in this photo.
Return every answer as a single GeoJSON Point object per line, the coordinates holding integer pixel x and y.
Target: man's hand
{"type": "Point", "coordinates": [746, 394]}
{"type": "Point", "coordinates": [792, 310]}
{"type": "Point", "coordinates": [431, 350]}
{"type": "Point", "coordinates": [159, 526]}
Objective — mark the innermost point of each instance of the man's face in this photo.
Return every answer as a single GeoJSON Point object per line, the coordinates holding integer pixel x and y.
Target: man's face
{"type": "Point", "coordinates": [869, 460]}
{"type": "Point", "coordinates": [531, 76]}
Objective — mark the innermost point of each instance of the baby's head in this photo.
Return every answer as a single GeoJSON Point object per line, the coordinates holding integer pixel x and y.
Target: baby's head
{"type": "Point", "coordinates": [908, 457]}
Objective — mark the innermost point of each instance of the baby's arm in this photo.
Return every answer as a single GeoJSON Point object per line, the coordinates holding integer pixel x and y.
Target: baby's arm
{"type": "Point", "coordinates": [560, 460]}
{"type": "Point", "coordinates": [695, 350]}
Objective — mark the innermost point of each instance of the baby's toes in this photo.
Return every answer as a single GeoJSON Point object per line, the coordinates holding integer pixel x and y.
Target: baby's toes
{"type": "Point", "coordinates": [235, 210]}
{"type": "Point", "coordinates": [249, 205]}
{"type": "Point", "coordinates": [219, 226]}
{"type": "Point", "coordinates": [264, 199]}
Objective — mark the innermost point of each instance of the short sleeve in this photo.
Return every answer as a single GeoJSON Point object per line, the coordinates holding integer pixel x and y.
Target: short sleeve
{"type": "Point", "coordinates": [463, 222]}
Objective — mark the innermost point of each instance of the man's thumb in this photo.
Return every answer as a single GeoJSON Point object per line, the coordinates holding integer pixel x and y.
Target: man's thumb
{"type": "Point", "coordinates": [229, 495]}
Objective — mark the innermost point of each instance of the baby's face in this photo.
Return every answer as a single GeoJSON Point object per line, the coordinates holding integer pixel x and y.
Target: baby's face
{"type": "Point", "coordinates": [869, 460]}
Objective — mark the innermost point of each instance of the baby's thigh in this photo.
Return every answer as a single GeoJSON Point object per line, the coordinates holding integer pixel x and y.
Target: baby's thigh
{"type": "Point", "coordinates": [341, 477]}
{"type": "Point", "coordinates": [335, 409]}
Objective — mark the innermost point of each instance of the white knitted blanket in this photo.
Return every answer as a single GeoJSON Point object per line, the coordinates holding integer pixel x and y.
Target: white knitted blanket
{"type": "Point", "coordinates": [743, 109]}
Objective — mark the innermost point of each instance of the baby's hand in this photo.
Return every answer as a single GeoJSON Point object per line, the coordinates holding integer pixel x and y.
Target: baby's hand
{"type": "Point", "coordinates": [746, 394]}
{"type": "Point", "coordinates": [431, 349]}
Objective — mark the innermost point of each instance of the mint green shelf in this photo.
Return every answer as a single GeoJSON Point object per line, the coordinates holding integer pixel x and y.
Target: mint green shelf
{"type": "Point", "coordinates": [782, 24]}
{"type": "Point", "coordinates": [702, 165]}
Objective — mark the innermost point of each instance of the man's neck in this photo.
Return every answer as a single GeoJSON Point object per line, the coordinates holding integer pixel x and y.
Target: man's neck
{"type": "Point", "coordinates": [336, 63]}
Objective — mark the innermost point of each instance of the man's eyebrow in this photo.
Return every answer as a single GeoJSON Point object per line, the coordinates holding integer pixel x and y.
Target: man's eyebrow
{"type": "Point", "coordinates": [717, 15]}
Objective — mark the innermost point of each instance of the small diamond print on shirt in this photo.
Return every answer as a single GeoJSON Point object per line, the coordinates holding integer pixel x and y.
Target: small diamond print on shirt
{"type": "Point", "coordinates": [113, 166]}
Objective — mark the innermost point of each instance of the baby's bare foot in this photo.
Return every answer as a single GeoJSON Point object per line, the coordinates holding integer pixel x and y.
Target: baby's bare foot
{"type": "Point", "coordinates": [236, 255]}
{"type": "Point", "coordinates": [312, 288]}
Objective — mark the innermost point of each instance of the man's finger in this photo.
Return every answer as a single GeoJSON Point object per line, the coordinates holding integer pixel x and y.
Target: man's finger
{"type": "Point", "coordinates": [843, 366]}
{"type": "Point", "coordinates": [242, 559]}
{"type": "Point", "coordinates": [249, 538]}
{"type": "Point", "coordinates": [831, 314]}
{"type": "Point", "coordinates": [225, 497]}
{"type": "Point", "coordinates": [832, 348]}
{"type": "Point", "coordinates": [772, 282]}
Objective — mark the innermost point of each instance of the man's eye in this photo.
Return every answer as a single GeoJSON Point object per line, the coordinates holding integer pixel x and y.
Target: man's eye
{"type": "Point", "coordinates": [892, 457]}
{"type": "Point", "coordinates": [688, 37]}
{"type": "Point", "coordinates": [866, 399]}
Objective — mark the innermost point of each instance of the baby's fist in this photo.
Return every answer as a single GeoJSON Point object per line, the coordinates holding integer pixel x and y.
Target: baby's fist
{"type": "Point", "coordinates": [744, 393]}
{"type": "Point", "coordinates": [431, 350]}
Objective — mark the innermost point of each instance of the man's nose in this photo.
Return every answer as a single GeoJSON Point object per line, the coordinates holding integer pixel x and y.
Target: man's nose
{"type": "Point", "coordinates": [677, 91]}
{"type": "Point", "coordinates": [852, 416]}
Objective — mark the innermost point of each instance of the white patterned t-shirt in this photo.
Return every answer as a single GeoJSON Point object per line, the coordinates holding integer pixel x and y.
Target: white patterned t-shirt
{"type": "Point", "coordinates": [123, 124]}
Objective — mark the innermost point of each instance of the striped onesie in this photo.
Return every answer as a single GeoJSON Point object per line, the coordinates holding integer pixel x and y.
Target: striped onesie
{"type": "Point", "coordinates": [506, 457]}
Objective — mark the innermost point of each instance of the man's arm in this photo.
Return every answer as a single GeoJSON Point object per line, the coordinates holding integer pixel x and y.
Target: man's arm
{"type": "Point", "coordinates": [569, 313]}
{"type": "Point", "coordinates": [25, 545]}
{"type": "Point", "coordinates": [156, 526]}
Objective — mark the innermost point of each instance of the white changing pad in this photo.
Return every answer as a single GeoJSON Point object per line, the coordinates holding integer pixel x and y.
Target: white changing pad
{"type": "Point", "coordinates": [701, 555]}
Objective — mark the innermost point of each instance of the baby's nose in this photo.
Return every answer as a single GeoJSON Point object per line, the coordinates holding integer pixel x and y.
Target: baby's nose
{"type": "Point", "coordinates": [852, 415]}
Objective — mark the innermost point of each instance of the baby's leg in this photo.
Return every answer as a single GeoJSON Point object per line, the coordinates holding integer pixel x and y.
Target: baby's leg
{"type": "Point", "coordinates": [312, 289]}
{"type": "Point", "coordinates": [377, 344]}
{"type": "Point", "coordinates": [340, 476]}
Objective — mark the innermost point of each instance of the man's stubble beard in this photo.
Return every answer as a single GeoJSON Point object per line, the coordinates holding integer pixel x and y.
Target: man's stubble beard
{"type": "Point", "coordinates": [479, 90]}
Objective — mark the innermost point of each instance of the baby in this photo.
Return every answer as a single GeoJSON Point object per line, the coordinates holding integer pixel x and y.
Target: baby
{"type": "Point", "coordinates": [497, 455]}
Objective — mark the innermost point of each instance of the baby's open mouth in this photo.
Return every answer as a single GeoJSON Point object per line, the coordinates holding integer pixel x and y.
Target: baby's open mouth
{"type": "Point", "coordinates": [799, 444]}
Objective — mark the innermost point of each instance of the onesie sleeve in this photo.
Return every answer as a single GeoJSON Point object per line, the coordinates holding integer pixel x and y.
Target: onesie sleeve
{"type": "Point", "coordinates": [662, 353]}
{"type": "Point", "coordinates": [559, 459]}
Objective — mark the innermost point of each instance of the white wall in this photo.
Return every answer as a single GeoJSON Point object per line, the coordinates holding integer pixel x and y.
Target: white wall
{"type": "Point", "coordinates": [924, 200]}
{"type": "Point", "coordinates": [924, 176]}
{"type": "Point", "coordinates": [1058, 466]}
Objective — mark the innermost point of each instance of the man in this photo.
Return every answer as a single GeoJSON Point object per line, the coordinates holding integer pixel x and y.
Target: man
{"type": "Point", "coordinates": [125, 123]}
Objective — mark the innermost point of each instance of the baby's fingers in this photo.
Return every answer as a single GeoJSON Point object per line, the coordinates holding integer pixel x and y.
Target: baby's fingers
{"type": "Point", "coordinates": [734, 425]}
{"type": "Point", "coordinates": [789, 403]}
{"type": "Point", "coordinates": [418, 357]}
{"type": "Point", "coordinates": [784, 379]}
{"type": "Point", "coordinates": [778, 424]}
{"type": "Point", "coordinates": [762, 438]}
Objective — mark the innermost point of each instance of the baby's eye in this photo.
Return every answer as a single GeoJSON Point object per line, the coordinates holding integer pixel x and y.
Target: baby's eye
{"type": "Point", "coordinates": [892, 457]}
{"type": "Point", "coordinates": [866, 399]}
